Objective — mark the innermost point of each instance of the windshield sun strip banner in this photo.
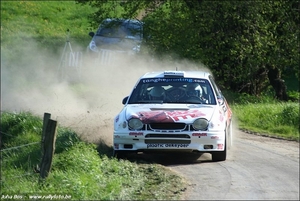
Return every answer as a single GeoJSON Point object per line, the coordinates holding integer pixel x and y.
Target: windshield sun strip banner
{"type": "Point", "coordinates": [189, 80]}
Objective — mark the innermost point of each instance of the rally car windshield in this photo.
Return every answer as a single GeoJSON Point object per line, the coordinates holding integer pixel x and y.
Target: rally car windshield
{"type": "Point", "coordinates": [173, 90]}
{"type": "Point", "coordinates": [121, 29]}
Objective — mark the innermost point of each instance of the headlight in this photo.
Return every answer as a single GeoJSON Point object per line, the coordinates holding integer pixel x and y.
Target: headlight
{"type": "Point", "coordinates": [136, 48]}
{"type": "Point", "coordinates": [135, 124]}
{"type": "Point", "coordinates": [93, 46]}
{"type": "Point", "coordinates": [200, 124]}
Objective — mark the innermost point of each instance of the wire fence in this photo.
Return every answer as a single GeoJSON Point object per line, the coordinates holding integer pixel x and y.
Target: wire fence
{"type": "Point", "coordinates": [7, 153]}
{"type": "Point", "coordinates": [47, 146]}
{"type": "Point", "coordinates": [17, 147]}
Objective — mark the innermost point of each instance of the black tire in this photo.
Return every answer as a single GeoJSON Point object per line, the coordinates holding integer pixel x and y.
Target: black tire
{"type": "Point", "coordinates": [119, 154]}
{"type": "Point", "coordinates": [220, 155]}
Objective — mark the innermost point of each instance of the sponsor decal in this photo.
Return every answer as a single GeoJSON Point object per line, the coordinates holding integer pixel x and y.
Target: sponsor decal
{"type": "Point", "coordinates": [215, 137]}
{"type": "Point", "coordinates": [136, 133]}
{"type": "Point", "coordinates": [180, 115]}
{"type": "Point", "coordinates": [157, 145]}
{"type": "Point", "coordinates": [117, 136]}
{"type": "Point", "coordinates": [154, 80]}
{"type": "Point", "coordinates": [199, 134]}
{"type": "Point", "coordinates": [158, 116]}
{"type": "Point", "coordinates": [169, 116]}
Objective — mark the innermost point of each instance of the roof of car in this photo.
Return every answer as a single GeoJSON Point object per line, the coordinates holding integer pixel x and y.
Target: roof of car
{"type": "Point", "coordinates": [173, 73]}
{"type": "Point", "coordinates": [107, 20]}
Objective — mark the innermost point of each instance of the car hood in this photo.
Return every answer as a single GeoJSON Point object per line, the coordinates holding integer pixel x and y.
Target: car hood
{"type": "Point", "coordinates": [152, 113]}
{"type": "Point", "coordinates": [116, 43]}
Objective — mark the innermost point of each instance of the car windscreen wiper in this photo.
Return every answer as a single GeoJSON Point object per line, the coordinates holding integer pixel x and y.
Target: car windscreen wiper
{"type": "Point", "coordinates": [192, 102]}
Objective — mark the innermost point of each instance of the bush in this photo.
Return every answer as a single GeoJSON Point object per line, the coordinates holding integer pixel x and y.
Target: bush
{"type": "Point", "coordinates": [290, 115]}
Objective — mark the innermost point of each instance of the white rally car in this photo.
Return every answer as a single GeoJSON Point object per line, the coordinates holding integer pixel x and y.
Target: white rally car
{"type": "Point", "coordinates": [174, 111]}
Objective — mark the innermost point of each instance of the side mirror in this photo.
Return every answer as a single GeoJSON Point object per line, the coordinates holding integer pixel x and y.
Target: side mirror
{"type": "Point", "coordinates": [124, 101]}
{"type": "Point", "coordinates": [91, 34]}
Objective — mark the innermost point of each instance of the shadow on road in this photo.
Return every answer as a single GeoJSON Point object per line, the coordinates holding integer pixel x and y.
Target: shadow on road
{"type": "Point", "coordinates": [169, 159]}
{"type": "Point", "coordinates": [166, 159]}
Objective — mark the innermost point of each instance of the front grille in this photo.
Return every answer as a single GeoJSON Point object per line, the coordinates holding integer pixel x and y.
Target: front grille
{"type": "Point", "coordinates": [167, 136]}
{"type": "Point", "coordinates": [166, 141]}
{"type": "Point", "coordinates": [167, 127]}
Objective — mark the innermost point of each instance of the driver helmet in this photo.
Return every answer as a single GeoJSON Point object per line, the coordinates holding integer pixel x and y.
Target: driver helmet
{"type": "Point", "coordinates": [157, 93]}
{"type": "Point", "coordinates": [194, 89]}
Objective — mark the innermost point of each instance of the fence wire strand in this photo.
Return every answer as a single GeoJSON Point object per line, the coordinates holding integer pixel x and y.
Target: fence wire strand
{"type": "Point", "coordinates": [24, 145]}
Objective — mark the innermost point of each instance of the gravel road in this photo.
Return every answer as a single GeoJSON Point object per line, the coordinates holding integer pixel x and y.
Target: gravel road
{"type": "Point", "coordinates": [257, 168]}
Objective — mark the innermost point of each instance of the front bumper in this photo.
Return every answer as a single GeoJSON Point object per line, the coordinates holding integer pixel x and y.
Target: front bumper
{"type": "Point", "coordinates": [187, 141]}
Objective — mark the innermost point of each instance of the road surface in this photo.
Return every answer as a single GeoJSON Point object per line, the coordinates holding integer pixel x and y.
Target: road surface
{"type": "Point", "coordinates": [257, 168]}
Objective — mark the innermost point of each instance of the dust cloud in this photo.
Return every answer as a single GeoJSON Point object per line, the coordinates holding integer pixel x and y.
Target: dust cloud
{"type": "Point", "coordinates": [85, 98]}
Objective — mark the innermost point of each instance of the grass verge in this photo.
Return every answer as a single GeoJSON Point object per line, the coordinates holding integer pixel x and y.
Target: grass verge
{"type": "Point", "coordinates": [276, 119]}
{"type": "Point", "coordinates": [80, 171]}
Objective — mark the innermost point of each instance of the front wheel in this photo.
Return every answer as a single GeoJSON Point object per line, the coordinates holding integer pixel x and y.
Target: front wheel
{"type": "Point", "coordinates": [220, 155]}
{"type": "Point", "coordinates": [119, 154]}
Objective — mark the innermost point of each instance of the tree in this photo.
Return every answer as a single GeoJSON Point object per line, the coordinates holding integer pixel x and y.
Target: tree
{"type": "Point", "coordinates": [243, 42]}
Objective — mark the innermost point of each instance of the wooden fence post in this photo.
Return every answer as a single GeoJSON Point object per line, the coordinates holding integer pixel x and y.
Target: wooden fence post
{"type": "Point", "coordinates": [47, 116]}
{"type": "Point", "coordinates": [48, 148]}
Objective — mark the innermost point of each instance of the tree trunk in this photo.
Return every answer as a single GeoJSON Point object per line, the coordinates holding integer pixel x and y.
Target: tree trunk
{"type": "Point", "coordinates": [277, 83]}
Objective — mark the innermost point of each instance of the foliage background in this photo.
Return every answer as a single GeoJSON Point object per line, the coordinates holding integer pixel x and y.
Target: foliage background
{"type": "Point", "coordinates": [179, 29]}
{"type": "Point", "coordinates": [241, 41]}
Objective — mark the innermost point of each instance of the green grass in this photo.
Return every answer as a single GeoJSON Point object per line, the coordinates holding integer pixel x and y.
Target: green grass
{"type": "Point", "coordinates": [272, 119]}
{"type": "Point", "coordinates": [79, 169]}
{"type": "Point", "coordinates": [83, 171]}
{"type": "Point", "coordinates": [266, 116]}
{"type": "Point", "coordinates": [45, 22]}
